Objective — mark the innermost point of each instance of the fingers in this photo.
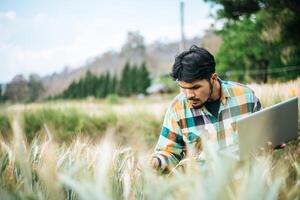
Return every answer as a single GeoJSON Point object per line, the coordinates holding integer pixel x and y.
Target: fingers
{"type": "Point", "coordinates": [269, 148]}
{"type": "Point", "coordinates": [281, 146]}
{"type": "Point", "coordinates": [155, 163]}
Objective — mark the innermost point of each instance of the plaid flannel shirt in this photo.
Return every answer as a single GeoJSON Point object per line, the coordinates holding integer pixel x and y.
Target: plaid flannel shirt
{"type": "Point", "coordinates": [183, 125]}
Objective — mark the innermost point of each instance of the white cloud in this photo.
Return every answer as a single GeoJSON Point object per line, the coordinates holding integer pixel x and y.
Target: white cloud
{"type": "Point", "coordinates": [16, 59]}
{"type": "Point", "coordinates": [9, 15]}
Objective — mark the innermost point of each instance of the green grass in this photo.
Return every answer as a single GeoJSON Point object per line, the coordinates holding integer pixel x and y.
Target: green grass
{"type": "Point", "coordinates": [88, 170]}
{"type": "Point", "coordinates": [5, 128]}
{"type": "Point", "coordinates": [66, 124]}
{"type": "Point", "coordinates": [100, 150]}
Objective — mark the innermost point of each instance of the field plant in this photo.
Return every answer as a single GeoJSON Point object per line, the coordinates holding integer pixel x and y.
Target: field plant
{"type": "Point", "coordinates": [88, 170]}
{"type": "Point", "coordinates": [100, 150]}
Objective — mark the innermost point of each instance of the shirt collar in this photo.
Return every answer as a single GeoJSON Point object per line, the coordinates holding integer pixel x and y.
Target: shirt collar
{"type": "Point", "coordinates": [224, 91]}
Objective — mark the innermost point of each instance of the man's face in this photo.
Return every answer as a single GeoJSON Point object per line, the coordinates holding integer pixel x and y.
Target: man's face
{"type": "Point", "coordinates": [197, 92]}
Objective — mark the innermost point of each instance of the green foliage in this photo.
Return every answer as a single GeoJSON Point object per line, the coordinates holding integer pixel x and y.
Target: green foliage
{"type": "Point", "coordinates": [5, 127]}
{"type": "Point", "coordinates": [243, 50]}
{"type": "Point", "coordinates": [1, 95]}
{"type": "Point", "coordinates": [33, 123]}
{"type": "Point", "coordinates": [17, 90]}
{"type": "Point", "coordinates": [133, 80]}
{"type": "Point", "coordinates": [168, 82]}
{"type": "Point", "coordinates": [125, 82]}
{"type": "Point", "coordinates": [260, 39]}
{"type": "Point", "coordinates": [143, 79]}
{"type": "Point", "coordinates": [112, 98]}
{"type": "Point", "coordinates": [85, 170]}
{"type": "Point", "coordinates": [22, 90]}
{"type": "Point", "coordinates": [138, 126]}
{"type": "Point", "coordinates": [66, 123]}
{"type": "Point", "coordinates": [234, 9]}
{"type": "Point", "coordinates": [35, 87]}
{"type": "Point", "coordinates": [85, 87]}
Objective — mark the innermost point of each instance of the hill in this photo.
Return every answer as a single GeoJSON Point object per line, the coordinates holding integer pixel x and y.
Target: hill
{"type": "Point", "coordinates": [158, 56]}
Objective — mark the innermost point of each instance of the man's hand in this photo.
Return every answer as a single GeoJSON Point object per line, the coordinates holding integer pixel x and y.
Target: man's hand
{"type": "Point", "coordinates": [270, 149]}
{"type": "Point", "coordinates": [281, 146]}
{"type": "Point", "coordinates": [155, 163]}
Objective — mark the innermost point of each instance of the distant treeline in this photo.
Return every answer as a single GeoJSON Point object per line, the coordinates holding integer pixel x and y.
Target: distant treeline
{"type": "Point", "coordinates": [21, 89]}
{"type": "Point", "coordinates": [134, 80]}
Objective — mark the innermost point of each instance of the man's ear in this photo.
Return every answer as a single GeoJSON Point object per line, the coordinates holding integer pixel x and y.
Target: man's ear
{"type": "Point", "coordinates": [214, 76]}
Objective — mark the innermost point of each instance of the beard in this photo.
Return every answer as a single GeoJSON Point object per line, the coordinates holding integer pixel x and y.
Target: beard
{"type": "Point", "coordinates": [196, 103]}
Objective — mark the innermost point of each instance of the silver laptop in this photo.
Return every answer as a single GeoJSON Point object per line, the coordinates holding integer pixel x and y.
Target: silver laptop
{"type": "Point", "coordinates": [276, 124]}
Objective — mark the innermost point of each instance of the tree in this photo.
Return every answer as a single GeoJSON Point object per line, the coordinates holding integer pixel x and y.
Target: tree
{"type": "Point", "coordinates": [90, 84]}
{"type": "Point", "coordinates": [143, 79]}
{"type": "Point", "coordinates": [35, 87]}
{"type": "Point", "coordinates": [273, 35]}
{"type": "Point", "coordinates": [1, 96]}
{"type": "Point", "coordinates": [107, 84]}
{"type": "Point", "coordinates": [134, 79]}
{"type": "Point", "coordinates": [17, 89]}
{"type": "Point", "coordinates": [125, 82]}
{"type": "Point", "coordinates": [134, 48]}
{"type": "Point", "coordinates": [114, 85]}
{"type": "Point", "coordinates": [243, 49]}
{"type": "Point", "coordinates": [71, 91]}
{"type": "Point", "coordinates": [100, 93]}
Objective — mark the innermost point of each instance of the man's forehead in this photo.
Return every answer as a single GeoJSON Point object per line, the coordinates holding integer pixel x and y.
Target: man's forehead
{"type": "Point", "coordinates": [194, 83]}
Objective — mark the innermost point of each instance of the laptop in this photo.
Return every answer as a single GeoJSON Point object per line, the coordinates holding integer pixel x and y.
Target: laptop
{"type": "Point", "coordinates": [276, 124]}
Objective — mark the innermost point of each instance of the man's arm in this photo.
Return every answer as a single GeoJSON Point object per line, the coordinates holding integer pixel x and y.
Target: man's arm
{"type": "Point", "coordinates": [170, 148]}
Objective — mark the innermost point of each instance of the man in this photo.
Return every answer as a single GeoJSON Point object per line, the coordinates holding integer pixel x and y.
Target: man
{"type": "Point", "coordinates": [207, 106]}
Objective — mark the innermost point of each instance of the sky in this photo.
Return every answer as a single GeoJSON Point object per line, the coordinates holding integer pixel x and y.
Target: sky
{"type": "Point", "coordinates": [44, 36]}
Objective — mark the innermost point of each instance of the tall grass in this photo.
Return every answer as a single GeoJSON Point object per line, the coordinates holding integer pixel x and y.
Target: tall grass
{"type": "Point", "coordinates": [89, 170]}
{"type": "Point", "coordinates": [270, 94]}
{"type": "Point", "coordinates": [5, 127]}
{"type": "Point", "coordinates": [67, 123]}
{"type": "Point", "coordinates": [83, 150]}
{"type": "Point", "coordinates": [132, 128]}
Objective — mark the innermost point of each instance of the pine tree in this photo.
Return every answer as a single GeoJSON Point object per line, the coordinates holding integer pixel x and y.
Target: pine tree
{"type": "Point", "coordinates": [114, 84]}
{"type": "Point", "coordinates": [1, 96]}
{"type": "Point", "coordinates": [134, 79]}
{"type": "Point", "coordinates": [35, 87]}
{"type": "Point", "coordinates": [100, 93]}
{"type": "Point", "coordinates": [144, 78]}
{"type": "Point", "coordinates": [80, 89]}
{"type": "Point", "coordinates": [88, 81]}
{"type": "Point", "coordinates": [124, 86]}
{"type": "Point", "coordinates": [107, 84]}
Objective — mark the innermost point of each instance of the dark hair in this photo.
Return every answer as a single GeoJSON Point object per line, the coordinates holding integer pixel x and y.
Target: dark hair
{"type": "Point", "coordinates": [194, 64]}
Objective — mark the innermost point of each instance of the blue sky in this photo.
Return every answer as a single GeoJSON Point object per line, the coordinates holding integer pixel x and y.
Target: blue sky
{"type": "Point", "coordinates": [39, 36]}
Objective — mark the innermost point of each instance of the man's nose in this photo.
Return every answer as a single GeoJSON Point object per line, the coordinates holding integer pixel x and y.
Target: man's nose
{"type": "Point", "coordinates": [190, 94]}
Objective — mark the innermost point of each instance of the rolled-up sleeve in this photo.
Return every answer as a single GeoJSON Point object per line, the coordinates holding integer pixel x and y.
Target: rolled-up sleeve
{"type": "Point", "coordinates": [170, 148]}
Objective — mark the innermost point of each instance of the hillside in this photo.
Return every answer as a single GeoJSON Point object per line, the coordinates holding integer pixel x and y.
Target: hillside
{"type": "Point", "coordinates": [158, 56]}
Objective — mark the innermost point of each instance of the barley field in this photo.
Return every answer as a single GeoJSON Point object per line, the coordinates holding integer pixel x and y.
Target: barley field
{"type": "Point", "coordinates": [99, 149]}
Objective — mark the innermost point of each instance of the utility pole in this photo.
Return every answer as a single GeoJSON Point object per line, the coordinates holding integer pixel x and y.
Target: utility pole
{"type": "Point", "coordinates": [182, 43]}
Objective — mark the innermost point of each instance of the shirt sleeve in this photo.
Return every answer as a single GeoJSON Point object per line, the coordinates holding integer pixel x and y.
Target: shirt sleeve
{"type": "Point", "coordinates": [170, 148]}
